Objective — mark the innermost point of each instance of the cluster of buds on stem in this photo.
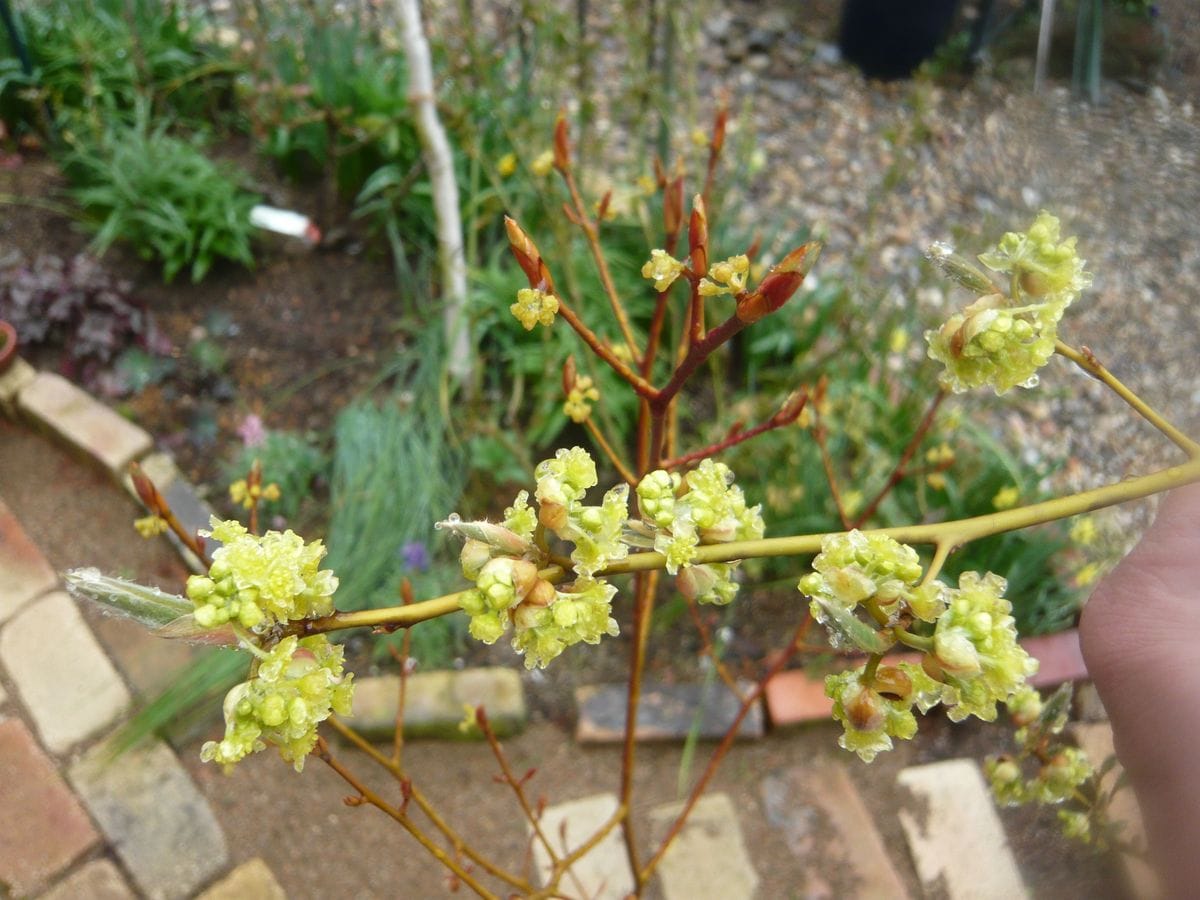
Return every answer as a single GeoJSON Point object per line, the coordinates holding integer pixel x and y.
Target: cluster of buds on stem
{"type": "Point", "coordinates": [504, 561]}
{"type": "Point", "coordinates": [679, 512]}
{"type": "Point", "coordinates": [1008, 333]}
{"type": "Point", "coordinates": [871, 593]}
{"type": "Point", "coordinates": [1046, 771]}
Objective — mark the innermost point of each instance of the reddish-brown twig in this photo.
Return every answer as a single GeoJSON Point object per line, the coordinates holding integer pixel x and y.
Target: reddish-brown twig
{"type": "Point", "coordinates": [708, 649]}
{"type": "Point", "coordinates": [721, 751]}
{"type": "Point", "coordinates": [423, 803]}
{"type": "Point", "coordinates": [400, 816]}
{"type": "Point", "coordinates": [820, 437]}
{"type": "Point", "coordinates": [901, 468]}
{"type": "Point", "coordinates": [786, 416]}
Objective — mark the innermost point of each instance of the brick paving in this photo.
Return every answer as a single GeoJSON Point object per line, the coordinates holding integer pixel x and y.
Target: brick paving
{"type": "Point", "coordinates": [87, 829]}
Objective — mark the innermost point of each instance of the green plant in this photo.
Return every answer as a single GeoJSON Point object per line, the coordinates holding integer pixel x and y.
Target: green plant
{"type": "Point", "coordinates": [289, 460]}
{"type": "Point", "coordinates": [549, 571]}
{"type": "Point", "coordinates": [98, 60]}
{"type": "Point", "coordinates": [160, 194]}
{"type": "Point", "coordinates": [77, 306]}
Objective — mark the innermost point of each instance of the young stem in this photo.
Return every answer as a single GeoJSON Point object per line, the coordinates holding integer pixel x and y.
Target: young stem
{"type": "Point", "coordinates": [643, 387]}
{"type": "Point", "coordinates": [397, 772]}
{"type": "Point", "coordinates": [513, 782]}
{"type": "Point", "coordinates": [722, 749]}
{"type": "Point", "coordinates": [819, 435]}
{"type": "Point", "coordinates": [591, 232]}
{"type": "Point", "coordinates": [645, 586]}
{"type": "Point", "coordinates": [1087, 361]}
{"type": "Point", "coordinates": [400, 816]}
{"type": "Point", "coordinates": [603, 443]}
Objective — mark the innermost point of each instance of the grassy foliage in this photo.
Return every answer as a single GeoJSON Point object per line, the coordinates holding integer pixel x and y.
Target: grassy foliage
{"type": "Point", "coordinates": [161, 195]}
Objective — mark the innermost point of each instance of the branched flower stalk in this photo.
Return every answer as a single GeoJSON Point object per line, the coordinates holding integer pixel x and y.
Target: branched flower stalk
{"type": "Point", "coordinates": [543, 575]}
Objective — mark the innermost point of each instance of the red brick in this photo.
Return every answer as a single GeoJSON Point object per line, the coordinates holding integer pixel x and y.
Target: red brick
{"type": "Point", "coordinates": [796, 696]}
{"type": "Point", "coordinates": [45, 828]}
{"type": "Point", "coordinates": [24, 572]}
{"type": "Point", "coordinates": [1059, 658]}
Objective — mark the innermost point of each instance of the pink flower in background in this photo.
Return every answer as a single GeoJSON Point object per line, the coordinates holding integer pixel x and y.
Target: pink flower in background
{"type": "Point", "coordinates": [251, 431]}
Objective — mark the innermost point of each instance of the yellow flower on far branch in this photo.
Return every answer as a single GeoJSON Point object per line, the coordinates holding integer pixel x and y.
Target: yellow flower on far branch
{"type": "Point", "coordinates": [941, 455]}
{"type": "Point", "coordinates": [533, 307]}
{"type": "Point", "coordinates": [1087, 574]}
{"type": "Point", "coordinates": [647, 185]}
{"type": "Point", "coordinates": [149, 526]}
{"type": "Point", "coordinates": [543, 164]}
{"type": "Point", "coordinates": [936, 480]}
{"type": "Point", "coordinates": [662, 269]}
{"type": "Point", "coordinates": [507, 165]}
{"type": "Point", "coordinates": [898, 340]}
{"type": "Point", "coordinates": [699, 138]}
{"type": "Point", "coordinates": [726, 277]}
{"type": "Point", "coordinates": [248, 495]}
{"type": "Point", "coordinates": [1083, 532]}
{"type": "Point", "coordinates": [578, 407]}
{"type": "Point", "coordinates": [1006, 497]}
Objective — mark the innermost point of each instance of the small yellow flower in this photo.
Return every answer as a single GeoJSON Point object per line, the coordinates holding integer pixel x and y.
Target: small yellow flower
{"type": "Point", "coordinates": [470, 719]}
{"type": "Point", "coordinates": [699, 138]}
{"type": "Point", "coordinates": [507, 165]}
{"type": "Point", "coordinates": [1087, 574]}
{"type": "Point", "coordinates": [247, 495]}
{"type": "Point", "coordinates": [646, 184]}
{"type": "Point", "coordinates": [1006, 497]}
{"type": "Point", "coordinates": [578, 407]}
{"type": "Point", "coordinates": [240, 493]}
{"type": "Point", "coordinates": [726, 277]}
{"type": "Point", "coordinates": [1083, 532]}
{"type": "Point", "coordinates": [805, 419]}
{"type": "Point", "coordinates": [534, 306]}
{"type": "Point", "coordinates": [852, 502]}
{"type": "Point", "coordinates": [149, 526]}
{"type": "Point", "coordinates": [898, 340]}
{"type": "Point", "coordinates": [942, 454]}
{"type": "Point", "coordinates": [622, 352]}
{"type": "Point", "coordinates": [543, 164]}
{"type": "Point", "coordinates": [936, 480]}
{"type": "Point", "coordinates": [662, 269]}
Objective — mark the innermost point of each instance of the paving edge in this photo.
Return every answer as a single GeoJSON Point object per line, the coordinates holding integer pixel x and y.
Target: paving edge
{"type": "Point", "coordinates": [161, 462]}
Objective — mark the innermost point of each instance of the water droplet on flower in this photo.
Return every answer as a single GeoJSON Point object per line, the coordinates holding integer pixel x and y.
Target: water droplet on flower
{"type": "Point", "coordinates": [1031, 382]}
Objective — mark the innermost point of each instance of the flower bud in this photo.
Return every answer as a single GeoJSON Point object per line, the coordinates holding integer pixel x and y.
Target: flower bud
{"type": "Point", "coordinates": [956, 653]}
{"type": "Point", "coordinates": [562, 146]}
{"type": "Point", "coordinates": [698, 235]}
{"type": "Point", "coordinates": [865, 711]}
{"type": "Point", "coordinates": [893, 683]}
{"type": "Point", "coordinates": [541, 594]}
{"type": "Point", "coordinates": [780, 284]}
{"type": "Point", "coordinates": [475, 555]}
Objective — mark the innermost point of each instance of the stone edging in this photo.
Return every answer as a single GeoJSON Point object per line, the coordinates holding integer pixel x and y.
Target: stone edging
{"type": "Point", "coordinates": [66, 696]}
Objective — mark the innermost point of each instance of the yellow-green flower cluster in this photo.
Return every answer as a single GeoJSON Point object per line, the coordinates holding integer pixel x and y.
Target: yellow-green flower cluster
{"type": "Point", "coordinates": [873, 713]}
{"type": "Point", "coordinates": [578, 406]}
{"type": "Point", "coordinates": [1058, 771]}
{"type": "Point", "coordinates": [500, 559]}
{"type": "Point", "coordinates": [1003, 339]}
{"type": "Point", "coordinates": [726, 277]}
{"type": "Point", "coordinates": [968, 635]}
{"type": "Point", "coordinates": [581, 614]}
{"type": "Point", "coordinates": [703, 506]}
{"type": "Point", "coordinates": [534, 306]}
{"type": "Point", "coordinates": [662, 268]}
{"type": "Point", "coordinates": [297, 685]}
{"type": "Point", "coordinates": [975, 648]}
{"type": "Point", "coordinates": [865, 568]}
{"type": "Point", "coordinates": [259, 581]}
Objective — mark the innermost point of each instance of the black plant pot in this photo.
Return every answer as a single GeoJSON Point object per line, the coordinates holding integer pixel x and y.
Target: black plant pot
{"type": "Point", "coordinates": [889, 38]}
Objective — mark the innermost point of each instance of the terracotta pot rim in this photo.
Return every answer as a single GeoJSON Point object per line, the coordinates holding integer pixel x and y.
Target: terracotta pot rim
{"type": "Point", "coordinates": [8, 344]}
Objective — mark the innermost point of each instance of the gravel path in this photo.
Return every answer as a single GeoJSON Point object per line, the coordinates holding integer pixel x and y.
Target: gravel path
{"type": "Point", "coordinates": [880, 170]}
